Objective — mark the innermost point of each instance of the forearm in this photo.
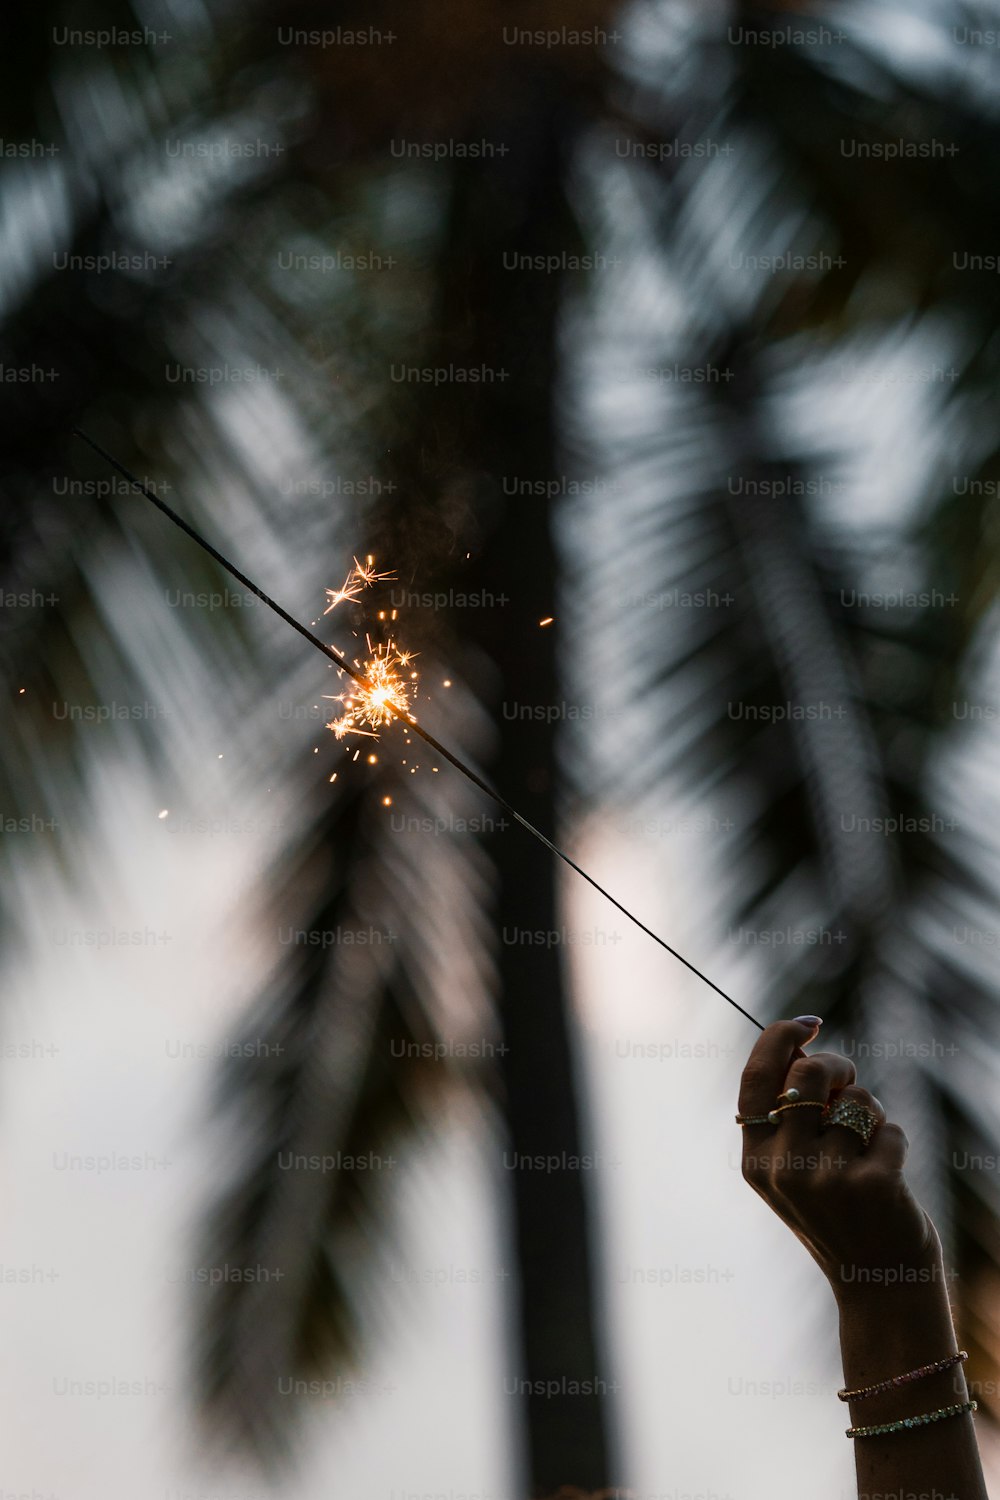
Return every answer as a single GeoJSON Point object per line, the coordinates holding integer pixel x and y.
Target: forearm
{"type": "Point", "coordinates": [835, 1175]}
{"type": "Point", "coordinates": [884, 1331]}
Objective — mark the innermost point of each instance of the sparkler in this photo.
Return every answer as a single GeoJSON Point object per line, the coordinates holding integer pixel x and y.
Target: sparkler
{"type": "Point", "coordinates": [378, 695]}
{"type": "Point", "coordinates": [382, 697]}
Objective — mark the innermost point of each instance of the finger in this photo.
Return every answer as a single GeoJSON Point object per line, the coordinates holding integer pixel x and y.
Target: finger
{"type": "Point", "coordinates": [815, 1077]}
{"type": "Point", "coordinates": [849, 1142]}
{"type": "Point", "coordinates": [764, 1075]}
{"type": "Point", "coordinates": [887, 1148]}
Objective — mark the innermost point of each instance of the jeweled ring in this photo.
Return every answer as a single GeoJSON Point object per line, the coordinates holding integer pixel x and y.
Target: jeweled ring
{"type": "Point", "coordinates": [791, 1095]}
{"type": "Point", "coordinates": [857, 1117]}
{"type": "Point", "coordinates": [753, 1120]}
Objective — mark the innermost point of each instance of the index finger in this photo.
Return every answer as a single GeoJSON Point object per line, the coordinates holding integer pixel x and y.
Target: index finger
{"type": "Point", "coordinates": [764, 1075]}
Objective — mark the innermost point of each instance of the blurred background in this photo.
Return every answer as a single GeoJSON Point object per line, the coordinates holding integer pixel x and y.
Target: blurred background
{"type": "Point", "coordinates": [348, 1144]}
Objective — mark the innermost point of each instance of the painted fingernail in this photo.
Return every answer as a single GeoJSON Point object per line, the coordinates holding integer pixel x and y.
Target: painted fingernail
{"type": "Point", "coordinates": [810, 1020]}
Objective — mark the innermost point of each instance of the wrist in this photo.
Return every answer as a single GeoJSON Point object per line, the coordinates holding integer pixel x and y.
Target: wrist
{"type": "Point", "coordinates": [890, 1326]}
{"type": "Point", "coordinates": [869, 1278]}
{"type": "Point", "coordinates": [888, 1286]}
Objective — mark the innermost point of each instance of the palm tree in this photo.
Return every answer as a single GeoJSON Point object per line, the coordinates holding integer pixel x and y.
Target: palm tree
{"type": "Point", "coordinates": [455, 443]}
{"type": "Point", "coordinates": [337, 1012]}
{"type": "Point", "coordinates": [782, 558]}
{"type": "Point", "coordinates": [733, 484]}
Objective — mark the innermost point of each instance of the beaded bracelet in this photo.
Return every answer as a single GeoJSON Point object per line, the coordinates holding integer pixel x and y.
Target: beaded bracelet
{"type": "Point", "coordinates": [921, 1421]}
{"type": "Point", "coordinates": [887, 1385]}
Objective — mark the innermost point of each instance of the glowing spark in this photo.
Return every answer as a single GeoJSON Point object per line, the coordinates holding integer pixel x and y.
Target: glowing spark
{"type": "Point", "coordinates": [362, 576]}
{"type": "Point", "coordinates": [164, 814]}
{"type": "Point", "coordinates": [370, 705]}
{"type": "Point", "coordinates": [547, 621]}
{"type": "Point", "coordinates": [350, 591]}
{"type": "Point", "coordinates": [366, 574]}
{"type": "Point", "coordinates": [386, 801]}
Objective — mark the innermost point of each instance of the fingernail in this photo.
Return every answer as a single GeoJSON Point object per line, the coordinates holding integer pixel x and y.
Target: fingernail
{"type": "Point", "coordinates": [809, 1020]}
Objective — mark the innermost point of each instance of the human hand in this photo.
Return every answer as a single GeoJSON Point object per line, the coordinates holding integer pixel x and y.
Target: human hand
{"type": "Point", "coordinates": [848, 1202]}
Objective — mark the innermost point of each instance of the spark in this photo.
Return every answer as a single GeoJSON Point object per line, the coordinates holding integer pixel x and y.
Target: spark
{"type": "Point", "coordinates": [350, 591]}
{"type": "Point", "coordinates": [366, 573]}
{"type": "Point", "coordinates": [547, 621]}
{"type": "Point", "coordinates": [164, 814]}
{"type": "Point", "coordinates": [374, 702]}
{"type": "Point", "coordinates": [362, 576]}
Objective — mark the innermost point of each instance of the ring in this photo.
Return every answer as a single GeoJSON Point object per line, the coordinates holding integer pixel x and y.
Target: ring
{"type": "Point", "coordinates": [776, 1114]}
{"type": "Point", "coordinates": [857, 1117]}
{"type": "Point", "coordinates": [791, 1095]}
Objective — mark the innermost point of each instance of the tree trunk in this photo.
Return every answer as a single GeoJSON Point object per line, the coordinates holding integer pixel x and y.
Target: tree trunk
{"type": "Point", "coordinates": [506, 319]}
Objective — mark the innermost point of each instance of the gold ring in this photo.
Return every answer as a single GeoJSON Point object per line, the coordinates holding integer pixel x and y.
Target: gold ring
{"type": "Point", "coordinates": [775, 1115]}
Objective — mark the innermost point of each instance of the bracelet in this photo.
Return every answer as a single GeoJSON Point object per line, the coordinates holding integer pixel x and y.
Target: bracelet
{"type": "Point", "coordinates": [887, 1385]}
{"type": "Point", "coordinates": [921, 1421]}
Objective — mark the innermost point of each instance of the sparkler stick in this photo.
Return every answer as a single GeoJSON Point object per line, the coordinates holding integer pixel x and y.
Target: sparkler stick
{"type": "Point", "coordinates": [401, 713]}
